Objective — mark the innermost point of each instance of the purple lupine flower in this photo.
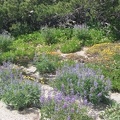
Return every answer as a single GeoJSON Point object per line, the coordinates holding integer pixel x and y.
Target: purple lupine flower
{"type": "Point", "coordinates": [42, 99]}
{"type": "Point", "coordinates": [85, 102]}
{"type": "Point", "coordinates": [58, 97]}
{"type": "Point", "coordinates": [99, 94]}
{"type": "Point", "coordinates": [72, 110]}
{"type": "Point", "coordinates": [67, 98]}
{"type": "Point", "coordinates": [65, 106]}
{"type": "Point", "coordinates": [68, 118]}
{"type": "Point", "coordinates": [73, 99]}
{"type": "Point", "coordinates": [95, 84]}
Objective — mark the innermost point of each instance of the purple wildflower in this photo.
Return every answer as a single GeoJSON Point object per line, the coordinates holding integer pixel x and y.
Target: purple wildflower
{"type": "Point", "coordinates": [85, 102]}
{"type": "Point", "coordinates": [68, 118]}
{"type": "Point", "coordinates": [99, 94]}
{"type": "Point", "coordinates": [65, 106]}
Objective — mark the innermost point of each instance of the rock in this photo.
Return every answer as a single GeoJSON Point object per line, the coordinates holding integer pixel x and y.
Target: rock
{"type": "Point", "coordinates": [32, 69]}
{"type": "Point", "coordinates": [29, 70]}
{"type": "Point", "coordinates": [36, 75]}
{"type": "Point", "coordinates": [115, 97]}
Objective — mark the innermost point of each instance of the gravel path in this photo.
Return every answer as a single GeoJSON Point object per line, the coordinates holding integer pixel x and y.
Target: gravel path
{"type": "Point", "coordinates": [28, 114]}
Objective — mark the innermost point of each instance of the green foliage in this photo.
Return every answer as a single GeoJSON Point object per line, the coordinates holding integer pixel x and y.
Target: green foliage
{"type": "Point", "coordinates": [34, 38]}
{"type": "Point", "coordinates": [19, 28]}
{"type": "Point", "coordinates": [81, 33]}
{"type": "Point", "coordinates": [21, 95]}
{"type": "Point", "coordinates": [16, 92]}
{"type": "Point", "coordinates": [80, 79]}
{"type": "Point", "coordinates": [47, 64]}
{"type": "Point", "coordinates": [98, 36]}
{"type": "Point", "coordinates": [110, 69]}
{"type": "Point", "coordinates": [22, 17]}
{"type": "Point", "coordinates": [62, 108]}
{"type": "Point", "coordinates": [7, 56]}
{"type": "Point", "coordinates": [110, 13]}
{"type": "Point", "coordinates": [5, 42]}
{"type": "Point", "coordinates": [112, 112]}
{"type": "Point", "coordinates": [49, 36]}
{"type": "Point", "coordinates": [71, 46]}
{"type": "Point", "coordinates": [90, 36]}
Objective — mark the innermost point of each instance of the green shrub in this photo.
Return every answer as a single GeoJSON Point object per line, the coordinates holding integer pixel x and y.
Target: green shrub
{"type": "Point", "coordinates": [62, 108]}
{"type": "Point", "coordinates": [19, 28]}
{"type": "Point", "coordinates": [7, 56]}
{"type": "Point", "coordinates": [5, 42]}
{"type": "Point", "coordinates": [49, 35]}
{"type": "Point", "coordinates": [110, 68]}
{"type": "Point", "coordinates": [112, 112]}
{"type": "Point", "coordinates": [46, 64]}
{"type": "Point", "coordinates": [16, 92]}
{"type": "Point", "coordinates": [90, 84]}
{"type": "Point", "coordinates": [71, 46]}
{"type": "Point", "coordinates": [21, 95]}
{"type": "Point", "coordinates": [92, 36]}
{"type": "Point", "coordinates": [23, 53]}
{"type": "Point", "coordinates": [34, 38]}
{"type": "Point", "coordinates": [81, 33]}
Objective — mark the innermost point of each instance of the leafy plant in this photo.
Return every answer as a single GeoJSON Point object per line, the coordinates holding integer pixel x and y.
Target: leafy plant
{"type": "Point", "coordinates": [81, 32]}
{"type": "Point", "coordinates": [112, 112]}
{"type": "Point", "coordinates": [46, 64]}
{"type": "Point", "coordinates": [90, 84]}
{"type": "Point", "coordinates": [49, 36]}
{"type": "Point", "coordinates": [21, 95]}
{"type": "Point", "coordinates": [5, 42]}
{"type": "Point", "coordinates": [107, 58]}
{"type": "Point", "coordinates": [14, 91]}
{"type": "Point", "coordinates": [62, 107]}
{"type": "Point", "coordinates": [70, 46]}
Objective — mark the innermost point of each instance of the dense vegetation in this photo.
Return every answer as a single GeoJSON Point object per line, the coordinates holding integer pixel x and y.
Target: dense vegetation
{"type": "Point", "coordinates": [37, 32]}
{"type": "Point", "coordinates": [20, 17]}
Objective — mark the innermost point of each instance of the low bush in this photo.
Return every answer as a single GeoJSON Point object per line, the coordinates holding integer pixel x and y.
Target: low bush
{"type": "Point", "coordinates": [111, 69]}
{"type": "Point", "coordinates": [49, 36]}
{"type": "Point", "coordinates": [21, 95]}
{"type": "Point", "coordinates": [81, 33]}
{"type": "Point", "coordinates": [5, 42]}
{"type": "Point", "coordinates": [34, 38]}
{"type": "Point", "coordinates": [112, 112]}
{"type": "Point", "coordinates": [71, 46]}
{"type": "Point", "coordinates": [47, 63]}
{"type": "Point", "coordinates": [90, 84]}
{"type": "Point", "coordinates": [7, 56]}
{"type": "Point", "coordinates": [14, 91]}
{"type": "Point", "coordinates": [62, 107]}
{"type": "Point", "coordinates": [22, 54]}
{"type": "Point", "coordinates": [107, 58]}
{"type": "Point", "coordinates": [90, 36]}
